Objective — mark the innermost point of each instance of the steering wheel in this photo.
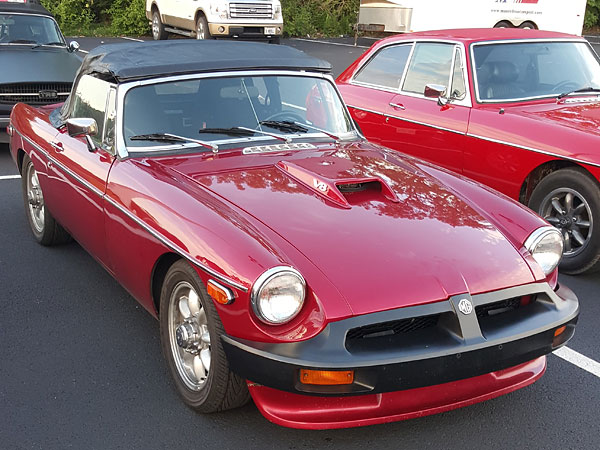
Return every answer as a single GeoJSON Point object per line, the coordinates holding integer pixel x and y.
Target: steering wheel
{"type": "Point", "coordinates": [565, 86]}
{"type": "Point", "coordinates": [286, 115]}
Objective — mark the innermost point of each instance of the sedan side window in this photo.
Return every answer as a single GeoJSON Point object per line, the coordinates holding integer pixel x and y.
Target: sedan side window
{"type": "Point", "coordinates": [385, 69]}
{"type": "Point", "coordinates": [90, 102]}
{"type": "Point", "coordinates": [431, 64]}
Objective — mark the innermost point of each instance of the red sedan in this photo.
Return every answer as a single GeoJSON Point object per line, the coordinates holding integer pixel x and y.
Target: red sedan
{"type": "Point", "coordinates": [518, 110]}
{"type": "Point", "coordinates": [338, 283]}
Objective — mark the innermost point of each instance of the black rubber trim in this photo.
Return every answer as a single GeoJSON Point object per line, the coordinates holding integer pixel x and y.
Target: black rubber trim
{"type": "Point", "coordinates": [454, 350]}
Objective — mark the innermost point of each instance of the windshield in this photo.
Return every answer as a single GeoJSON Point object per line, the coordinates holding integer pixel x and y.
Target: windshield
{"type": "Point", "coordinates": [239, 108]}
{"type": "Point", "coordinates": [18, 29]}
{"type": "Point", "coordinates": [518, 71]}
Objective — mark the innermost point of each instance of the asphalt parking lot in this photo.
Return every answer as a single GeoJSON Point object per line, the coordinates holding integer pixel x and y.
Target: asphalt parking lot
{"type": "Point", "coordinates": [82, 366]}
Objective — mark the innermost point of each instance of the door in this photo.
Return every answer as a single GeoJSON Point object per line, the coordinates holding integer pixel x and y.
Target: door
{"type": "Point", "coordinates": [79, 175]}
{"type": "Point", "coordinates": [430, 128]}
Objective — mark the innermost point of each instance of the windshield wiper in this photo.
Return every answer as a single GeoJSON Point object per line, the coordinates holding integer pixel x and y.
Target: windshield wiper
{"type": "Point", "coordinates": [168, 137]}
{"type": "Point", "coordinates": [47, 43]}
{"type": "Point", "coordinates": [284, 125]}
{"type": "Point", "coordinates": [233, 131]}
{"type": "Point", "coordinates": [22, 41]}
{"type": "Point", "coordinates": [577, 91]}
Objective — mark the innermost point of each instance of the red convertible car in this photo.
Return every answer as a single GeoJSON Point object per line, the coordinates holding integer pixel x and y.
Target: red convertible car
{"type": "Point", "coordinates": [517, 110]}
{"type": "Point", "coordinates": [338, 283]}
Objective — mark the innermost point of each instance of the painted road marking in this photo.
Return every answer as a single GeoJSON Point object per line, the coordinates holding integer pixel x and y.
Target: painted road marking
{"type": "Point", "coordinates": [131, 39]}
{"type": "Point", "coordinates": [330, 43]}
{"type": "Point", "coordinates": [9, 177]}
{"type": "Point", "coordinates": [577, 359]}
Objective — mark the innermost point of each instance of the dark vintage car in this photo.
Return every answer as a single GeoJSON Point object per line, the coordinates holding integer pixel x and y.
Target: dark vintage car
{"type": "Point", "coordinates": [338, 283]}
{"type": "Point", "coordinates": [37, 66]}
{"type": "Point", "coordinates": [518, 110]}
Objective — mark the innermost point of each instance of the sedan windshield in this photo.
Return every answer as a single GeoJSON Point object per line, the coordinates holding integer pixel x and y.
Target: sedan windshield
{"type": "Point", "coordinates": [529, 70]}
{"type": "Point", "coordinates": [234, 108]}
{"type": "Point", "coordinates": [18, 29]}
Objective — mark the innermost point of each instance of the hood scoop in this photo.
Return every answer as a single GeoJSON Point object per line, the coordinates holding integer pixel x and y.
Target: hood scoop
{"type": "Point", "coordinates": [342, 192]}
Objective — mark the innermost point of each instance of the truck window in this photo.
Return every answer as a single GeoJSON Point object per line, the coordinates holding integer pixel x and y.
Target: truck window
{"type": "Point", "coordinates": [430, 64]}
{"type": "Point", "coordinates": [385, 69]}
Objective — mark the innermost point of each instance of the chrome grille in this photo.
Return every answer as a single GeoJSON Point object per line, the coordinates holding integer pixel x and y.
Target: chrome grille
{"type": "Point", "coordinates": [35, 93]}
{"type": "Point", "coordinates": [251, 10]}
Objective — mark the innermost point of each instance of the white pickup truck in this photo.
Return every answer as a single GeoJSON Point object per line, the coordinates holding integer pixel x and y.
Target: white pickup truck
{"type": "Point", "coordinates": [206, 19]}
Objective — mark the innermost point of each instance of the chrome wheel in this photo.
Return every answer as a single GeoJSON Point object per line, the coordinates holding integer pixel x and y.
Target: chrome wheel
{"type": "Point", "coordinates": [35, 199]}
{"type": "Point", "coordinates": [569, 211]}
{"type": "Point", "coordinates": [189, 337]}
{"type": "Point", "coordinates": [155, 27]}
{"type": "Point", "coordinates": [201, 29]}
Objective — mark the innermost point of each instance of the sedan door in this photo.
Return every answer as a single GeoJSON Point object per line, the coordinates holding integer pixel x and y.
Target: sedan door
{"type": "Point", "coordinates": [79, 174]}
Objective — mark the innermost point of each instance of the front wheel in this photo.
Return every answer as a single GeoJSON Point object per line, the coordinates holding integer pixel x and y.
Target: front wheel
{"type": "Point", "coordinates": [202, 28]}
{"type": "Point", "coordinates": [570, 200]}
{"type": "Point", "coordinates": [190, 331]}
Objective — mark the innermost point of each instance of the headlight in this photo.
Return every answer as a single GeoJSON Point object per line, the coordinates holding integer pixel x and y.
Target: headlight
{"type": "Point", "coordinates": [546, 246]}
{"type": "Point", "coordinates": [278, 294]}
{"type": "Point", "coordinates": [277, 11]}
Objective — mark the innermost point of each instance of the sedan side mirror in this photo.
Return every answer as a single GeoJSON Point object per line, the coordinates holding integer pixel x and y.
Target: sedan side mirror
{"type": "Point", "coordinates": [436, 91]}
{"type": "Point", "coordinates": [73, 46]}
{"type": "Point", "coordinates": [83, 127]}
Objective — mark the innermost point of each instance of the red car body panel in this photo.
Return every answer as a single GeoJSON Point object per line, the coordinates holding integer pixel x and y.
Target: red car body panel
{"type": "Point", "coordinates": [497, 144]}
{"type": "Point", "coordinates": [311, 412]}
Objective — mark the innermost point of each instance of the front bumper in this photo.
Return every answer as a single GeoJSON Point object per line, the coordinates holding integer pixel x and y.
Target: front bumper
{"type": "Point", "coordinates": [246, 30]}
{"type": "Point", "coordinates": [454, 347]}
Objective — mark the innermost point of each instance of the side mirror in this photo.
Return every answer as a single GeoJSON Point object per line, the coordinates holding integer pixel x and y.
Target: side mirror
{"type": "Point", "coordinates": [83, 127]}
{"type": "Point", "coordinates": [436, 91]}
{"type": "Point", "coordinates": [73, 46]}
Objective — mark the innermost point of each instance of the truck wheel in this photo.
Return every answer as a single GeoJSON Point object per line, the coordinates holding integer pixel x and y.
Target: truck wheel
{"type": "Point", "coordinates": [504, 24]}
{"type": "Point", "coordinates": [45, 229]}
{"type": "Point", "coordinates": [158, 29]}
{"type": "Point", "coordinates": [202, 28]}
{"type": "Point", "coordinates": [570, 200]}
{"type": "Point", "coordinates": [190, 333]}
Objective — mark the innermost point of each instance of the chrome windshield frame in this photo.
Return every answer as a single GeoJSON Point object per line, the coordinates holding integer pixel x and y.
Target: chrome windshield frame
{"type": "Point", "coordinates": [472, 46]}
{"type": "Point", "coordinates": [123, 151]}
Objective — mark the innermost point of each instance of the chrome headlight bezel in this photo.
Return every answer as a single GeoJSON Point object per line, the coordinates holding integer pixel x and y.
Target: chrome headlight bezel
{"type": "Point", "coordinates": [263, 280]}
{"type": "Point", "coordinates": [540, 236]}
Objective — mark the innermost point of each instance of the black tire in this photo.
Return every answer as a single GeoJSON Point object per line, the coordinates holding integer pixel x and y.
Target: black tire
{"type": "Point", "coordinates": [158, 28]}
{"type": "Point", "coordinates": [504, 24]}
{"type": "Point", "coordinates": [46, 230]}
{"type": "Point", "coordinates": [275, 40]}
{"type": "Point", "coordinates": [222, 389]}
{"type": "Point", "coordinates": [585, 192]}
{"type": "Point", "coordinates": [202, 31]}
{"type": "Point", "coordinates": [527, 25]}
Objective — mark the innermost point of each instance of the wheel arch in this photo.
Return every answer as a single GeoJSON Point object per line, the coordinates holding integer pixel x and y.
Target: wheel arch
{"type": "Point", "coordinates": [159, 271]}
{"type": "Point", "coordinates": [20, 158]}
{"type": "Point", "coordinates": [542, 171]}
{"type": "Point", "coordinates": [199, 12]}
{"type": "Point", "coordinates": [154, 7]}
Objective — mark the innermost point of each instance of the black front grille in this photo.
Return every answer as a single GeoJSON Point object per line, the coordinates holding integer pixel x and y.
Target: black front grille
{"type": "Point", "coordinates": [34, 93]}
{"type": "Point", "coordinates": [503, 306]}
{"type": "Point", "coordinates": [393, 327]}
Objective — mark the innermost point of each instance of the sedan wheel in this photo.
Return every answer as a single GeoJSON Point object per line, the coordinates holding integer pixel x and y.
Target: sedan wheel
{"type": "Point", "coordinates": [191, 340]}
{"type": "Point", "coordinates": [569, 199]}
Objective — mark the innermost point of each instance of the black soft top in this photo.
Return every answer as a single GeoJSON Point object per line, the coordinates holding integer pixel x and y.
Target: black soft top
{"type": "Point", "coordinates": [24, 8]}
{"type": "Point", "coordinates": [139, 60]}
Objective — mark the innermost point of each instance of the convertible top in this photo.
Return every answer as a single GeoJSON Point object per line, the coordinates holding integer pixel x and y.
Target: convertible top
{"type": "Point", "coordinates": [139, 60]}
{"type": "Point", "coordinates": [24, 8]}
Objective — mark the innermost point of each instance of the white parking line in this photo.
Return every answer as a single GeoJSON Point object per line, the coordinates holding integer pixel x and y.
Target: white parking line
{"type": "Point", "coordinates": [131, 39]}
{"type": "Point", "coordinates": [577, 359]}
{"type": "Point", "coordinates": [330, 43]}
{"type": "Point", "coordinates": [9, 177]}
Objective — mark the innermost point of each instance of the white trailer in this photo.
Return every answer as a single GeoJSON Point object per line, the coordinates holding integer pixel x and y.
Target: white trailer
{"type": "Point", "coordinates": [401, 16]}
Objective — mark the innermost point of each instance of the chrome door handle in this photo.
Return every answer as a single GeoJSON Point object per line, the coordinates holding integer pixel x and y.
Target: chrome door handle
{"type": "Point", "coordinates": [398, 106]}
{"type": "Point", "coordinates": [57, 146]}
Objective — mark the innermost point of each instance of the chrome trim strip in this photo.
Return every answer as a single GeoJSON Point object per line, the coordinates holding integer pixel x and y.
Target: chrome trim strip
{"type": "Point", "coordinates": [139, 221]}
{"type": "Point", "coordinates": [531, 149]}
{"type": "Point", "coordinates": [408, 120]}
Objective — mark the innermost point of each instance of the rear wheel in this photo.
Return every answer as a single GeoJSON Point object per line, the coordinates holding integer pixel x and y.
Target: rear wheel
{"type": "Point", "coordinates": [570, 200]}
{"type": "Point", "coordinates": [202, 28]}
{"type": "Point", "coordinates": [44, 227]}
{"type": "Point", "coordinates": [158, 29]}
{"type": "Point", "coordinates": [190, 331]}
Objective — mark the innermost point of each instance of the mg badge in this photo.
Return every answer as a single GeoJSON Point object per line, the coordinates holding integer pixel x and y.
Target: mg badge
{"type": "Point", "coordinates": [465, 306]}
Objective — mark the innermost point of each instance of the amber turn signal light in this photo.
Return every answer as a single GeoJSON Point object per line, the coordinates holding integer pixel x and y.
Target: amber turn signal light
{"type": "Point", "coordinates": [326, 377]}
{"type": "Point", "coordinates": [559, 331]}
{"type": "Point", "coordinates": [219, 293]}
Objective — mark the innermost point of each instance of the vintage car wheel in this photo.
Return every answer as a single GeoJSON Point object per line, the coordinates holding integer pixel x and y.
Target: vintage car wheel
{"type": "Point", "coordinates": [570, 200]}
{"type": "Point", "coordinates": [202, 31]}
{"type": "Point", "coordinates": [158, 29]}
{"type": "Point", "coordinates": [44, 227]}
{"type": "Point", "coordinates": [191, 331]}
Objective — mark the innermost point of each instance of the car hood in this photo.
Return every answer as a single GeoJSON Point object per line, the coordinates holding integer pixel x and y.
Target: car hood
{"type": "Point", "coordinates": [405, 239]}
{"type": "Point", "coordinates": [43, 64]}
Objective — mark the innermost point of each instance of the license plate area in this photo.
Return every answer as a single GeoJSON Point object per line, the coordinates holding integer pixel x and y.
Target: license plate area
{"type": "Point", "coordinates": [270, 30]}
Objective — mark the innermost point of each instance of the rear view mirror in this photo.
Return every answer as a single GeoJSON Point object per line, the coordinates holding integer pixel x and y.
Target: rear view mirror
{"type": "Point", "coordinates": [436, 91]}
{"type": "Point", "coordinates": [83, 127]}
{"type": "Point", "coordinates": [73, 46]}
